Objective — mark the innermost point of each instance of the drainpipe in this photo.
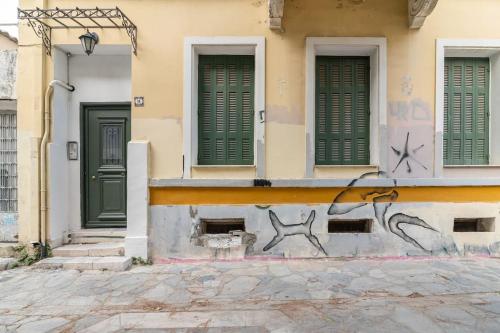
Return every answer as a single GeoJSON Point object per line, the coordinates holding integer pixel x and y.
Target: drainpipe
{"type": "Point", "coordinates": [42, 228]}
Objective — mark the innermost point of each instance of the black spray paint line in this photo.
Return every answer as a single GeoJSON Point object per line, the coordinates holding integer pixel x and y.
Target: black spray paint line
{"type": "Point", "coordinates": [341, 206]}
{"type": "Point", "coordinates": [407, 155]}
{"type": "Point", "coordinates": [381, 203]}
{"type": "Point", "coordinates": [400, 218]}
{"type": "Point", "coordinates": [285, 230]}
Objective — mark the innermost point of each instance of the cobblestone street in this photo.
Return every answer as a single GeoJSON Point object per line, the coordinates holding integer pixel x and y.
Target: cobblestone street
{"type": "Point", "coordinates": [414, 295]}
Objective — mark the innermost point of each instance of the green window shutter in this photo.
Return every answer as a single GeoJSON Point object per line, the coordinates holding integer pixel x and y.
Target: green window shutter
{"type": "Point", "coordinates": [342, 111]}
{"type": "Point", "coordinates": [466, 111]}
{"type": "Point", "coordinates": [226, 110]}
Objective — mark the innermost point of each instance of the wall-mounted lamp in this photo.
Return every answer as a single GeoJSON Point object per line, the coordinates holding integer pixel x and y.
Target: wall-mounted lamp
{"type": "Point", "coordinates": [89, 40]}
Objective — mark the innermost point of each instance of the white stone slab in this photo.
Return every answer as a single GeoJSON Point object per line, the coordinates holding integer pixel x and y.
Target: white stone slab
{"type": "Point", "coordinates": [115, 263]}
{"type": "Point", "coordinates": [89, 250]}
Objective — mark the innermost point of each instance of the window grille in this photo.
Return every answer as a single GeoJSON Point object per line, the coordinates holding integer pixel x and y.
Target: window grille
{"type": "Point", "coordinates": [8, 162]}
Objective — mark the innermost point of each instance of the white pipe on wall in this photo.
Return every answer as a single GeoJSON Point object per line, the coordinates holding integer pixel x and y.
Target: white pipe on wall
{"type": "Point", "coordinates": [43, 160]}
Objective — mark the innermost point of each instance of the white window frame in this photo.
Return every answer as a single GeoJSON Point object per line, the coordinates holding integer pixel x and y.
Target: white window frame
{"type": "Point", "coordinates": [376, 49]}
{"type": "Point", "coordinates": [471, 48]}
{"type": "Point", "coordinates": [195, 46]}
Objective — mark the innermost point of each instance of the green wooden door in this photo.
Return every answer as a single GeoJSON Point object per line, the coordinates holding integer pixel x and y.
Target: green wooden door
{"type": "Point", "coordinates": [105, 137]}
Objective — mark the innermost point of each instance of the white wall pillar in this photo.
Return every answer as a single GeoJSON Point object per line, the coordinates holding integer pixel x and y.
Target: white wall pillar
{"type": "Point", "coordinates": [136, 242]}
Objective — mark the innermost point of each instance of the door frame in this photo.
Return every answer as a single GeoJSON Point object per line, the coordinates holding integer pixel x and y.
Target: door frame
{"type": "Point", "coordinates": [83, 154]}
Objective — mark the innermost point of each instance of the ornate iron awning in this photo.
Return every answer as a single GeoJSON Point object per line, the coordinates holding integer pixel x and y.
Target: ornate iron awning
{"type": "Point", "coordinates": [44, 20]}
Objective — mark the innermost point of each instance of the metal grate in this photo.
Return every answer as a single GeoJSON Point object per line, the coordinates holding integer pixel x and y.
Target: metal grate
{"type": "Point", "coordinates": [8, 162]}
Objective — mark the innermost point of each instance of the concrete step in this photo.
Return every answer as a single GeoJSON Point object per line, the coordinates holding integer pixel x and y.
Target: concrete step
{"type": "Point", "coordinates": [116, 264]}
{"type": "Point", "coordinates": [90, 250]}
{"type": "Point", "coordinates": [94, 236]}
{"type": "Point", "coordinates": [7, 250]}
{"type": "Point", "coordinates": [7, 263]}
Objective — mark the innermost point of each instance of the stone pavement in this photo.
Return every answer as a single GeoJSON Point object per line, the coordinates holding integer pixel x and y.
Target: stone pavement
{"type": "Point", "coordinates": [325, 295]}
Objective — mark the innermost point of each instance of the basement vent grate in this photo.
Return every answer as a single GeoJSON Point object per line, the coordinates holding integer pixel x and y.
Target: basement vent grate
{"type": "Point", "coordinates": [221, 226]}
{"type": "Point", "coordinates": [349, 226]}
{"type": "Point", "coordinates": [481, 224]}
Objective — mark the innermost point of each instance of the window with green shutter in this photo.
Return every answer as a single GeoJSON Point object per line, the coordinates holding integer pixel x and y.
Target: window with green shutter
{"type": "Point", "coordinates": [466, 111]}
{"type": "Point", "coordinates": [342, 111]}
{"type": "Point", "coordinates": [226, 110]}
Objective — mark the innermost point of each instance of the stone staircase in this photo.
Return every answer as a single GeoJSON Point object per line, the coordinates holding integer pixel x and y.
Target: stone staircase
{"type": "Point", "coordinates": [94, 236]}
{"type": "Point", "coordinates": [94, 249]}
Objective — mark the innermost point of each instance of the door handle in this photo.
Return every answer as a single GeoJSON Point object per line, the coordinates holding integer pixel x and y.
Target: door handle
{"type": "Point", "coordinates": [93, 177]}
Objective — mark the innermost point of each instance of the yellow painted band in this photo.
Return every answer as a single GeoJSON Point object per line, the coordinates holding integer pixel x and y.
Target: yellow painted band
{"type": "Point", "coordinates": [295, 195]}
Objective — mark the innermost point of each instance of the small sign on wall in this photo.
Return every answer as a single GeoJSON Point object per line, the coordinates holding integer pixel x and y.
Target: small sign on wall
{"type": "Point", "coordinates": [72, 149]}
{"type": "Point", "coordinates": [139, 101]}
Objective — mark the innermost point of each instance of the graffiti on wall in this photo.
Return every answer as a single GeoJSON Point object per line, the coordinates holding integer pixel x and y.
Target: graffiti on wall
{"type": "Point", "coordinates": [350, 199]}
{"type": "Point", "coordinates": [381, 199]}
{"type": "Point", "coordinates": [410, 111]}
{"type": "Point", "coordinates": [407, 154]}
{"type": "Point", "coordinates": [410, 118]}
{"type": "Point", "coordinates": [285, 230]}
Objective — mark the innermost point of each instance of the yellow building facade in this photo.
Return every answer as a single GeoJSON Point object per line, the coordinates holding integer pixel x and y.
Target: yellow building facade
{"type": "Point", "coordinates": [405, 162]}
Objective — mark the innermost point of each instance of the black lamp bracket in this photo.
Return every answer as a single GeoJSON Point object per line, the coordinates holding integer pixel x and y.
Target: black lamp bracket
{"type": "Point", "coordinates": [44, 20]}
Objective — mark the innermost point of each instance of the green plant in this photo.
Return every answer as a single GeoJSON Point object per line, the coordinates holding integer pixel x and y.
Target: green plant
{"type": "Point", "coordinates": [140, 261]}
{"type": "Point", "coordinates": [26, 256]}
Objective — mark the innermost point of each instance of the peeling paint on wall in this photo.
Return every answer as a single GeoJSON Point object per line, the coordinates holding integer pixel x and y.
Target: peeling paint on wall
{"type": "Point", "coordinates": [283, 115]}
{"type": "Point", "coordinates": [8, 227]}
{"type": "Point", "coordinates": [8, 59]}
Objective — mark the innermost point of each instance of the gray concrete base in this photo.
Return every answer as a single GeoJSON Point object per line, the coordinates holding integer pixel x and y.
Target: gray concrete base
{"type": "Point", "coordinates": [429, 231]}
{"type": "Point", "coordinates": [116, 264]}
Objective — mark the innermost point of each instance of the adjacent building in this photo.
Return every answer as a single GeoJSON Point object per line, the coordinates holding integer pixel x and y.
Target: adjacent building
{"type": "Point", "coordinates": [295, 128]}
{"type": "Point", "coordinates": [8, 139]}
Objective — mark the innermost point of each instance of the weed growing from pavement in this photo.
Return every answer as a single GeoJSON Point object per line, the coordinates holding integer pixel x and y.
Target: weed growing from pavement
{"type": "Point", "coordinates": [141, 262]}
{"type": "Point", "coordinates": [27, 257]}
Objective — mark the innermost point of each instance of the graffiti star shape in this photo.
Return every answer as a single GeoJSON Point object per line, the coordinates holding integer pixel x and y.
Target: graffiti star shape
{"type": "Point", "coordinates": [407, 155]}
{"type": "Point", "coordinates": [284, 230]}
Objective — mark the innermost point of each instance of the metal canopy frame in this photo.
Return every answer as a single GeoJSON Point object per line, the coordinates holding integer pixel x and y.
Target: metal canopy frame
{"type": "Point", "coordinates": [44, 20]}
